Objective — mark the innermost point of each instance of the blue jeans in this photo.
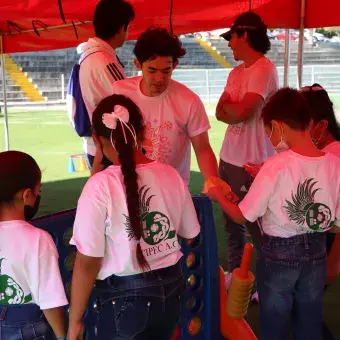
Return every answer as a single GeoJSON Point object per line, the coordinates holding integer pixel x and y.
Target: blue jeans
{"type": "Point", "coordinates": [24, 322]}
{"type": "Point", "coordinates": [141, 307]}
{"type": "Point", "coordinates": [291, 275]}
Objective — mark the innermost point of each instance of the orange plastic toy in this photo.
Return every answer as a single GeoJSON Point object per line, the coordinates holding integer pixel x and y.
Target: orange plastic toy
{"type": "Point", "coordinates": [242, 281]}
{"type": "Point", "coordinates": [234, 306]}
{"type": "Point", "coordinates": [216, 181]}
{"type": "Point", "coordinates": [232, 329]}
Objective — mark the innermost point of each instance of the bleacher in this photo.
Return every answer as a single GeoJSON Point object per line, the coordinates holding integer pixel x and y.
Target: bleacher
{"type": "Point", "coordinates": [45, 69]}
{"type": "Point", "coordinates": [313, 55]}
{"type": "Point", "coordinates": [13, 92]}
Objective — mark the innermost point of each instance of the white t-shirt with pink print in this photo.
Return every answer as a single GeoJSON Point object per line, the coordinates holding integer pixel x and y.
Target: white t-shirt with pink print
{"type": "Point", "coordinates": [247, 141]}
{"type": "Point", "coordinates": [171, 119]}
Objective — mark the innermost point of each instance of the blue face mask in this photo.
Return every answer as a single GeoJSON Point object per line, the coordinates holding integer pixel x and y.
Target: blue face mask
{"type": "Point", "coordinates": [282, 145]}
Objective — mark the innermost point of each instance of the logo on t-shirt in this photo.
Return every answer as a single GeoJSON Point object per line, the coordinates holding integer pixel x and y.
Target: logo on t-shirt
{"type": "Point", "coordinates": [317, 216]}
{"type": "Point", "coordinates": [156, 144]}
{"type": "Point", "coordinates": [238, 129]}
{"type": "Point", "coordinates": [10, 291]}
{"type": "Point", "coordinates": [156, 225]}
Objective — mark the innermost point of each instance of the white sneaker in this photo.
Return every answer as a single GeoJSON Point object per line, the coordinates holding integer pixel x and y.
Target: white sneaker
{"type": "Point", "coordinates": [227, 279]}
{"type": "Point", "coordinates": [255, 297]}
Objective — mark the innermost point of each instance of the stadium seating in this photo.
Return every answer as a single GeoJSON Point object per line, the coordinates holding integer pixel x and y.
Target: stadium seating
{"type": "Point", "coordinates": [45, 69]}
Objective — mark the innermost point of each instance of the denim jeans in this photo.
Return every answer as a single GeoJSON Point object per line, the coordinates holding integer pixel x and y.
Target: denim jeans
{"type": "Point", "coordinates": [291, 275]}
{"type": "Point", "coordinates": [147, 307]}
{"type": "Point", "coordinates": [238, 177]}
{"type": "Point", "coordinates": [24, 322]}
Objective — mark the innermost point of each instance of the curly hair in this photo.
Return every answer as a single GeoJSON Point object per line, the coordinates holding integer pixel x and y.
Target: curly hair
{"type": "Point", "coordinates": [158, 42]}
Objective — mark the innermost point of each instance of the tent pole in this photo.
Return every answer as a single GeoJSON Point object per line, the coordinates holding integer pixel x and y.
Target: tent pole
{"type": "Point", "coordinates": [287, 59]}
{"type": "Point", "coordinates": [4, 91]}
{"type": "Point", "coordinates": [301, 42]}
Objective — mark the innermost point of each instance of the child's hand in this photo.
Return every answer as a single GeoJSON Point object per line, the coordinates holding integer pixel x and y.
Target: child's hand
{"type": "Point", "coordinates": [215, 193]}
{"type": "Point", "coordinates": [232, 197]}
{"type": "Point", "coordinates": [252, 169]}
{"type": "Point", "coordinates": [75, 331]}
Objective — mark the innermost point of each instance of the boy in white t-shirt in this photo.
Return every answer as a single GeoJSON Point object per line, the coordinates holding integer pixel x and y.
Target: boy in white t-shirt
{"type": "Point", "coordinates": [127, 227]}
{"type": "Point", "coordinates": [248, 87]}
{"type": "Point", "coordinates": [32, 295]}
{"type": "Point", "coordinates": [100, 66]}
{"type": "Point", "coordinates": [297, 194]}
{"type": "Point", "coordinates": [174, 116]}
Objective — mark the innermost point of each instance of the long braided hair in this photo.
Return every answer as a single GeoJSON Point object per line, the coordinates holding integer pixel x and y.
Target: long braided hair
{"type": "Point", "coordinates": [125, 150]}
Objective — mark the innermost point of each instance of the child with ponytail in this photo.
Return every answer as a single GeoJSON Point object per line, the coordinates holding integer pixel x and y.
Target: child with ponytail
{"type": "Point", "coordinates": [126, 230]}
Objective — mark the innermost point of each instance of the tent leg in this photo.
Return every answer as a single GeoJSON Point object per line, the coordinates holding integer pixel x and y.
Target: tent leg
{"type": "Point", "coordinates": [301, 43]}
{"type": "Point", "coordinates": [287, 59]}
{"type": "Point", "coordinates": [4, 91]}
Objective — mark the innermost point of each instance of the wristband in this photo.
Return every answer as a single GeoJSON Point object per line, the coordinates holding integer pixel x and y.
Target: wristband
{"type": "Point", "coordinates": [63, 338]}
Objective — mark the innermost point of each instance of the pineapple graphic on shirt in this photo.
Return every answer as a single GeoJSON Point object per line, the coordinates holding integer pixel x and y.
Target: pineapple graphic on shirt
{"type": "Point", "coordinates": [156, 225]}
{"type": "Point", "coordinates": [302, 208]}
{"type": "Point", "coordinates": [10, 291]}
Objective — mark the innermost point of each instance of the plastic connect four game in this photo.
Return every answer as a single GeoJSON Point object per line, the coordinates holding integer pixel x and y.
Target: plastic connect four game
{"type": "Point", "coordinates": [200, 319]}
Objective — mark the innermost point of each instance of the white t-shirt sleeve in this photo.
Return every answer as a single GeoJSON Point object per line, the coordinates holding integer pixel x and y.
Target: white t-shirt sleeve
{"type": "Point", "coordinates": [198, 119]}
{"type": "Point", "coordinates": [89, 225]}
{"type": "Point", "coordinates": [255, 203]}
{"type": "Point", "coordinates": [46, 284]}
{"type": "Point", "coordinates": [261, 80]}
{"type": "Point", "coordinates": [189, 226]}
{"type": "Point", "coordinates": [97, 82]}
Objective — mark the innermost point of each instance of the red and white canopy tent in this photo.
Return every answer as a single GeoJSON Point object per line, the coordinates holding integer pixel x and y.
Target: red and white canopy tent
{"type": "Point", "coordinates": [36, 25]}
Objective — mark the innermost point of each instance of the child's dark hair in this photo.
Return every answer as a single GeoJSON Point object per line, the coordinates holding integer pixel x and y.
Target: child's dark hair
{"type": "Point", "coordinates": [125, 152]}
{"type": "Point", "coordinates": [289, 106]}
{"type": "Point", "coordinates": [158, 42]}
{"type": "Point", "coordinates": [18, 171]}
{"type": "Point", "coordinates": [258, 40]}
{"type": "Point", "coordinates": [321, 108]}
{"type": "Point", "coordinates": [110, 16]}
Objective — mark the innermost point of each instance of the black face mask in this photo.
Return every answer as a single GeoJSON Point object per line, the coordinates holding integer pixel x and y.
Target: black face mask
{"type": "Point", "coordinates": [29, 211]}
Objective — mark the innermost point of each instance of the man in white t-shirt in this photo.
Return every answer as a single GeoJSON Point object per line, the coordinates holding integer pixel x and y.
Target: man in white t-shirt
{"type": "Point", "coordinates": [248, 86]}
{"type": "Point", "coordinates": [174, 116]}
{"type": "Point", "coordinates": [100, 66]}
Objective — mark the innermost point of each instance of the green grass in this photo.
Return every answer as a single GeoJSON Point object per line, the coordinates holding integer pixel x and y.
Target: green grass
{"type": "Point", "coordinates": [47, 136]}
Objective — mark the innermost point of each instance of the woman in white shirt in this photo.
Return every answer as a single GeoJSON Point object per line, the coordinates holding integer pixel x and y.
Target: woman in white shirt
{"type": "Point", "coordinates": [32, 295]}
{"type": "Point", "coordinates": [128, 221]}
{"type": "Point", "coordinates": [297, 194]}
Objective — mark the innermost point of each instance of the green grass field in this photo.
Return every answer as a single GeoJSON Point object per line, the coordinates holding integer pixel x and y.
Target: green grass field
{"type": "Point", "coordinates": [48, 137]}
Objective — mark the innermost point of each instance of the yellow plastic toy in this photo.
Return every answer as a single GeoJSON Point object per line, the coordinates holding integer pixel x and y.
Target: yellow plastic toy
{"type": "Point", "coordinates": [216, 181]}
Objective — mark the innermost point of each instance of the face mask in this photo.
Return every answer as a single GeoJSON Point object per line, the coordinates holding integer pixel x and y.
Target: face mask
{"type": "Point", "coordinates": [282, 145]}
{"type": "Point", "coordinates": [29, 211]}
